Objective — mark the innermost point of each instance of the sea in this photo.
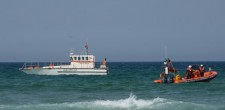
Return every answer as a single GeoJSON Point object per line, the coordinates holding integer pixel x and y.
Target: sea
{"type": "Point", "coordinates": [129, 86]}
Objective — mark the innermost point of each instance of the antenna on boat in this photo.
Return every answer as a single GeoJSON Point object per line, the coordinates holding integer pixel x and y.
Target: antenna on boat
{"type": "Point", "coordinates": [166, 61]}
{"type": "Point", "coordinates": [86, 47]}
{"type": "Point", "coordinates": [165, 51]}
{"type": "Point", "coordinates": [71, 51]}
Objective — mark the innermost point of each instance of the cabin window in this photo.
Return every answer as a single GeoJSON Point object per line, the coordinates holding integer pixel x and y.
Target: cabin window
{"type": "Point", "coordinates": [82, 58]}
{"type": "Point", "coordinates": [78, 58]}
{"type": "Point", "coordinates": [71, 58]}
{"type": "Point", "coordinates": [86, 58]}
{"type": "Point", "coordinates": [75, 58]}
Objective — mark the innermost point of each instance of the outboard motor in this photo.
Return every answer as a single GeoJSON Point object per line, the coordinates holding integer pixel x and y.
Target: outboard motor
{"type": "Point", "coordinates": [164, 79]}
{"type": "Point", "coordinates": [170, 79]}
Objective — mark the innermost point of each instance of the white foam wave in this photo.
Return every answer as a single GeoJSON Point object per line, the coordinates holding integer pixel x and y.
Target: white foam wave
{"type": "Point", "coordinates": [131, 103]}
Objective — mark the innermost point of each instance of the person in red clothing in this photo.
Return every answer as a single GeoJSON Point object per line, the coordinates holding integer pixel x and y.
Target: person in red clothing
{"type": "Point", "coordinates": [202, 70]}
{"type": "Point", "coordinates": [189, 72]}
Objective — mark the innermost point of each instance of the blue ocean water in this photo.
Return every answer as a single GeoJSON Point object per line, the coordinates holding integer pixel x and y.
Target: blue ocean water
{"type": "Point", "coordinates": [129, 86]}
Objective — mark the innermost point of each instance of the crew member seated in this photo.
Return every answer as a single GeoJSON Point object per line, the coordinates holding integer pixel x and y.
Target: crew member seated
{"type": "Point", "coordinates": [202, 70]}
{"type": "Point", "coordinates": [189, 72]}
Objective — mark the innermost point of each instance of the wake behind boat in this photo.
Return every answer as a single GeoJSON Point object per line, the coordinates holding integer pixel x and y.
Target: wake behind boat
{"type": "Point", "coordinates": [83, 64]}
{"type": "Point", "coordinates": [195, 73]}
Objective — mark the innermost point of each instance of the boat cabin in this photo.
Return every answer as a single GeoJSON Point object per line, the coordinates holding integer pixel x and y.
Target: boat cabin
{"type": "Point", "coordinates": [82, 61]}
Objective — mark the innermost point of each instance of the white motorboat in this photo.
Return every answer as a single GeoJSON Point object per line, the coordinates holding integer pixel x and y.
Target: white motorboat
{"type": "Point", "coordinates": [82, 64]}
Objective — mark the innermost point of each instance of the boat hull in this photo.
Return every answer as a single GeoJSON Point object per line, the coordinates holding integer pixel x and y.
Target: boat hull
{"type": "Point", "coordinates": [207, 77]}
{"type": "Point", "coordinates": [42, 71]}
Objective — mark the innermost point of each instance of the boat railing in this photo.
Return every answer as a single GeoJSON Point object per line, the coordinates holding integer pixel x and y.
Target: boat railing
{"type": "Point", "coordinates": [36, 65]}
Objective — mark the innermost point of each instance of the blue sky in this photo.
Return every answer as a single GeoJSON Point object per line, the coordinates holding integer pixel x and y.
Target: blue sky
{"type": "Point", "coordinates": [120, 30]}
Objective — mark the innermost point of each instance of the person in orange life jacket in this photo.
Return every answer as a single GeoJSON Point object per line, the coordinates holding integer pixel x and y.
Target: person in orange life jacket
{"type": "Point", "coordinates": [202, 70]}
{"type": "Point", "coordinates": [189, 72]}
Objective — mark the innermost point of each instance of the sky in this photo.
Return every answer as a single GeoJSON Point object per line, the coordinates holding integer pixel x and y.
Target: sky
{"type": "Point", "coordinates": [119, 30]}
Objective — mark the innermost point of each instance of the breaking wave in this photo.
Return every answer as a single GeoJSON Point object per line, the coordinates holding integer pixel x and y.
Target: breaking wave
{"type": "Point", "coordinates": [131, 103]}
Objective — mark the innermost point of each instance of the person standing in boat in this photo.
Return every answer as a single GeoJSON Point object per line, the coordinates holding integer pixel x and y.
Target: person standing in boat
{"type": "Point", "coordinates": [202, 70]}
{"type": "Point", "coordinates": [163, 70]}
{"type": "Point", "coordinates": [104, 62]}
{"type": "Point", "coordinates": [170, 66]}
{"type": "Point", "coordinates": [103, 65]}
{"type": "Point", "coordinates": [189, 72]}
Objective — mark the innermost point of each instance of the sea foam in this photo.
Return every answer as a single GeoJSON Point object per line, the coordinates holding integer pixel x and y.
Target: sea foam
{"type": "Point", "coordinates": [130, 103]}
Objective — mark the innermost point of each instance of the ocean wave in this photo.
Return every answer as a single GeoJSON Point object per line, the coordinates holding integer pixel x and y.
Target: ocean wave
{"type": "Point", "coordinates": [131, 103]}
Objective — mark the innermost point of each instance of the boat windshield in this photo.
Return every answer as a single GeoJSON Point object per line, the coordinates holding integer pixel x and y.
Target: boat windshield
{"type": "Point", "coordinates": [195, 67]}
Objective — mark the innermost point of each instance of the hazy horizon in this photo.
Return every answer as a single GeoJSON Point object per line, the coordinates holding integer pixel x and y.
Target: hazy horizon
{"type": "Point", "coordinates": [121, 31]}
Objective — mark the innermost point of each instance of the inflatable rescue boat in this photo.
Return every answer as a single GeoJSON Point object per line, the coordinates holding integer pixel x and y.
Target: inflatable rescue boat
{"type": "Point", "coordinates": [171, 75]}
{"type": "Point", "coordinates": [207, 77]}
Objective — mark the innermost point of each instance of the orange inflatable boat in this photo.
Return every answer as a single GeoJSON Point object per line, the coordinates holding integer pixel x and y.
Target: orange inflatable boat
{"type": "Point", "coordinates": [207, 77]}
{"type": "Point", "coordinates": [195, 73]}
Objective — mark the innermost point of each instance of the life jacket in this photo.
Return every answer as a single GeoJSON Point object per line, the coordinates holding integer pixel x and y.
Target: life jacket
{"type": "Point", "coordinates": [188, 69]}
{"type": "Point", "coordinates": [178, 77]}
{"type": "Point", "coordinates": [196, 73]}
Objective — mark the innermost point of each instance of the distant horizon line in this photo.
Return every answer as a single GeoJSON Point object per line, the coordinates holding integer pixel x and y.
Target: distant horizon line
{"type": "Point", "coordinates": [100, 61]}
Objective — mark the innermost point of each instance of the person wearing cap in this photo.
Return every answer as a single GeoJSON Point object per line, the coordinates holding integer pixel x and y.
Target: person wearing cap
{"type": "Point", "coordinates": [163, 70]}
{"type": "Point", "coordinates": [189, 72]}
{"type": "Point", "coordinates": [202, 70]}
{"type": "Point", "coordinates": [164, 66]}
